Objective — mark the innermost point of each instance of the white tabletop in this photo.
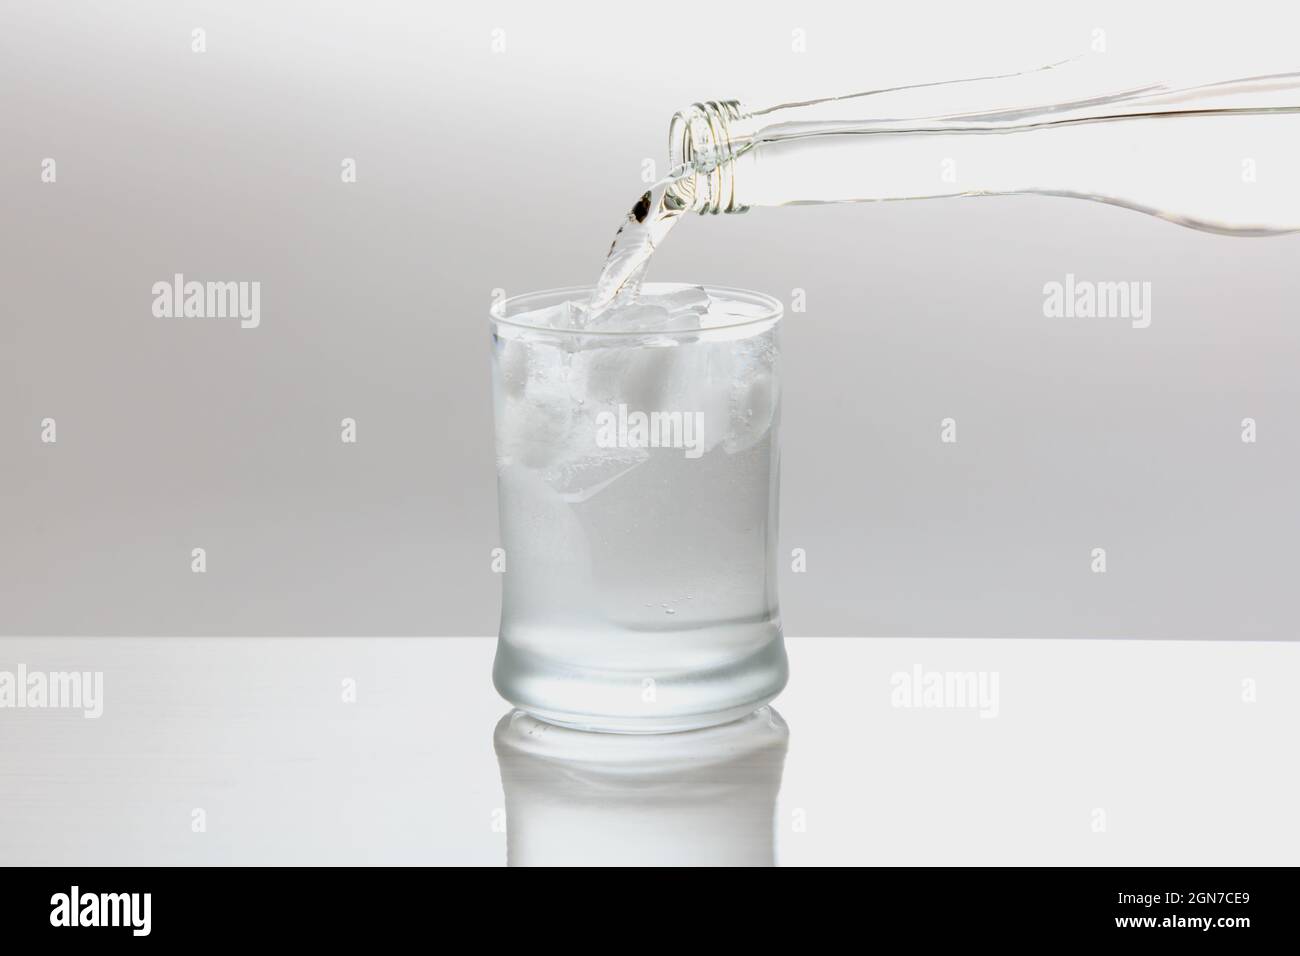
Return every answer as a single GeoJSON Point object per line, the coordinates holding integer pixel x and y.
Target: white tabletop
{"type": "Point", "coordinates": [239, 750]}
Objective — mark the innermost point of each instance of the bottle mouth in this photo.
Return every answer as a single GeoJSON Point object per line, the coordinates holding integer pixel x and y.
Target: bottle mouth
{"type": "Point", "coordinates": [702, 137]}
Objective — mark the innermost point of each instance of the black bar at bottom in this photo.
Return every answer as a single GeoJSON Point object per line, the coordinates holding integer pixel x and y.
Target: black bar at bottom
{"type": "Point", "coordinates": [334, 907]}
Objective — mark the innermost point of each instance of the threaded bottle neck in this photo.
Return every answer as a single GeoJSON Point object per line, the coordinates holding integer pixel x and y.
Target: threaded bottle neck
{"type": "Point", "coordinates": [704, 137]}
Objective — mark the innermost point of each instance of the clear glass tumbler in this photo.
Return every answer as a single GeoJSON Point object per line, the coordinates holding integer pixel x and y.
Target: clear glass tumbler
{"type": "Point", "coordinates": [638, 477]}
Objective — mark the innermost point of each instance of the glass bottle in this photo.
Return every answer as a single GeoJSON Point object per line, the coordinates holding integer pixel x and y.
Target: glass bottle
{"type": "Point", "coordinates": [1217, 156]}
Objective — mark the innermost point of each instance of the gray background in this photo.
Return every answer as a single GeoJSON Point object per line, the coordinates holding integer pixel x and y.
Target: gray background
{"type": "Point", "coordinates": [481, 170]}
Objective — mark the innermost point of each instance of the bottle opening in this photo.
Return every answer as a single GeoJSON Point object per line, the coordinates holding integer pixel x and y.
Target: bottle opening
{"type": "Point", "coordinates": [701, 137]}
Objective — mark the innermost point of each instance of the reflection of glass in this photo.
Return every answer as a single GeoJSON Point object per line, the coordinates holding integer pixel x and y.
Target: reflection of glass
{"type": "Point", "coordinates": [638, 476]}
{"type": "Point", "coordinates": [698, 798]}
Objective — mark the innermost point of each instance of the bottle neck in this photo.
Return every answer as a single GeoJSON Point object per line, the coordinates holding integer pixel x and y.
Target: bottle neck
{"type": "Point", "coordinates": [1183, 152]}
{"type": "Point", "coordinates": [706, 137]}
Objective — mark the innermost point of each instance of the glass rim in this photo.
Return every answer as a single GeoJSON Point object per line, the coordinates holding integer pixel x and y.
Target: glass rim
{"type": "Point", "coordinates": [773, 310]}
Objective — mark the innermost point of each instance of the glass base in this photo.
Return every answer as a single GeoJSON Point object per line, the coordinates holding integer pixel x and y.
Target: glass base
{"type": "Point", "coordinates": [641, 700]}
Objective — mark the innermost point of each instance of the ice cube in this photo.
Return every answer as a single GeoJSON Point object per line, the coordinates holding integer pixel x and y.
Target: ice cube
{"type": "Point", "coordinates": [678, 377]}
{"type": "Point", "coordinates": [681, 308]}
{"type": "Point", "coordinates": [755, 393]}
{"type": "Point", "coordinates": [752, 408]}
{"type": "Point", "coordinates": [578, 478]}
{"type": "Point", "coordinates": [549, 424]}
{"type": "Point", "coordinates": [563, 315]}
{"type": "Point", "coordinates": [691, 298]}
{"type": "Point", "coordinates": [651, 373]}
{"type": "Point", "coordinates": [539, 417]}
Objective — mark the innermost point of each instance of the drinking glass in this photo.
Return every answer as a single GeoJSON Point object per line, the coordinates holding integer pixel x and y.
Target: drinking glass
{"type": "Point", "coordinates": [638, 474]}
